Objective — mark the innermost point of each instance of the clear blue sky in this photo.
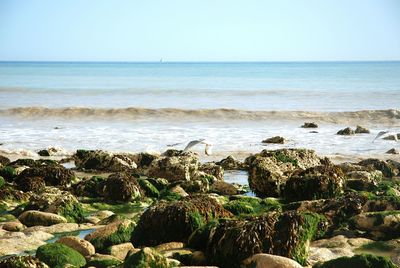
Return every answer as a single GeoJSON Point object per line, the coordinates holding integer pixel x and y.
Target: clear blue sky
{"type": "Point", "coordinates": [202, 30]}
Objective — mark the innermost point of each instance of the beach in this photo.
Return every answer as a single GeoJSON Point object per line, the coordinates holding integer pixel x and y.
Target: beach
{"type": "Point", "coordinates": [92, 163]}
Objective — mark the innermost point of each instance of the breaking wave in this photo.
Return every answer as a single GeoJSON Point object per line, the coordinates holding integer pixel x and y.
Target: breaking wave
{"type": "Point", "coordinates": [370, 116]}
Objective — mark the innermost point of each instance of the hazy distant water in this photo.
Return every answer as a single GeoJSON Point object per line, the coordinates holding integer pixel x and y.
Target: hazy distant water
{"type": "Point", "coordinates": [327, 86]}
{"type": "Point", "coordinates": [120, 105]}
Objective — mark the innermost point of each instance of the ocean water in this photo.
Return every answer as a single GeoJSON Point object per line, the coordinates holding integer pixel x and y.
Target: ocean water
{"type": "Point", "coordinates": [148, 106]}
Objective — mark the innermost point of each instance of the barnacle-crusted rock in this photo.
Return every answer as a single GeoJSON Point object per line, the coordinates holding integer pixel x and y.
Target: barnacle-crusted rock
{"type": "Point", "coordinates": [325, 181]}
{"type": "Point", "coordinates": [178, 220]}
{"type": "Point", "coordinates": [269, 170]}
{"type": "Point", "coordinates": [174, 166]}
{"type": "Point", "coordinates": [53, 200]}
{"type": "Point", "coordinates": [22, 262]}
{"type": "Point", "coordinates": [122, 187]}
{"type": "Point", "coordinates": [112, 234]}
{"type": "Point", "coordinates": [230, 163]}
{"type": "Point", "coordinates": [53, 175]}
{"type": "Point", "coordinates": [104, 161]}
{"type": "Point", "coordinates": [385, 222]}
{"type": "Point", "coordinates": [229, 242]}
{"type": "Point", "coordinates": [361, 130]}
{"type": "Point", "coordinates": [389, 168]}
{"type": "Point", "coordinates": [363, 180]}
{"type": "Point", "coordinates": [213, 169]}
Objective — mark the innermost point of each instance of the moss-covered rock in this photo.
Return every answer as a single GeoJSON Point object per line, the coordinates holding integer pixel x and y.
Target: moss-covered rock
{"type": "Point", "coordinates": [8, 173]}
{"type": "Point", "coordinates": [112, 234]}
{"type": "Point", "coordinates": [232, 241]}
{"type": "Point", "coordinates": [146, 258]}
{"type": "Point", "coordinates": [2, 182]}
{"type": "Point", "coordinates": [22, 262]}
{"type": "Point", "coordinates": [238, 207]}
{"type": "Point", "coordinates": [149, 189]}
{"type": "Point", "coordinates": [177, 218]}
{"type": "Point", "coordinates": [53, 175]}
{"type": "Point", "coordinates": [92, 187]}
{"type": "Point", "coordinates": [325, 181]}
{"type": "Point", "coordinates": [388, 168]}
{"type": "Point", "coordinates": [103, 261]}
{"type": "Point", "coordinates": [122, 187]}
{"type": "Point", "coordinates": [58, 255]}
{"type": "Point", "coordinates": [39, 218]}
{"type": "Point", "coordinates": [269, 170]}
{"type": "Point", "coordinates": [358, 261]}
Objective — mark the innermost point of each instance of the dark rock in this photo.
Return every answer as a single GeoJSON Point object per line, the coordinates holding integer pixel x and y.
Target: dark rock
{"type": "Point", "coordinates": [276, 139]}
{"type": "Point", "coordinates": [223, 188]}
{"type": "Point", "coordinates": [92, 187]}
{"type": "Point", "coordinates": [122, 187]}
{"type": "Point", "coordinates": [388, 168]}
{"type": "Point", "coordinates": [361, 130]}
{"type": "Point", "coordinates": [54, 175]}
{"type": "Point", "coordinates": [213, 169]}
{"type": "Point", "coordinates": [358, 261]}
{"type": "Point", "coordinates": [229, 242]}
{"type": "Point", "coordinates": [178, 220]}
{"type": "Point", "coordinates": [4, 161]}
{"type": "Point", "coordinates": [392, 137]}
{"type": "Point", "coordinates": [325, 181]}
{"type": "Point", "coordinates": [230, 163]}
{"type": "Point", "coordinates": [34, 184]}
{"type": "Point", "coordinates": [269, 170]}
{"type": "Point", "coordinates": [346, 131]}
{"type": "Point", "coordinates": [309, 125]}
{"type": "Point", "coordinates": [392, 151]}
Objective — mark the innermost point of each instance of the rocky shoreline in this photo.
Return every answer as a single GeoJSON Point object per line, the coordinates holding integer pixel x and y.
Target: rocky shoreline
{"type": "Point", "coordinates": [100, 209]}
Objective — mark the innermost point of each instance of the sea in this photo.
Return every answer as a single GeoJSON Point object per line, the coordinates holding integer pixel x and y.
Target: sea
{"type": "Point", "coordinates": [154, 106]}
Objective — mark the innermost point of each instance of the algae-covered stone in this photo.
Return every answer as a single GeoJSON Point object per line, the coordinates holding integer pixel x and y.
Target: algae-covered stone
{"type": "Point", "coordinates": [92, 187]}
{"type": "Point", "coordinates": [269, 170]}
{"type": "Point", "coordinates": [232, 241]}
{"type": "Point", "coordinates": [223, 188]}
{"type": "Point", "coordinates": [53, 175]}
{"type": "Point", "coordinates": [176, 220]}
{"type": "Point", "coordinates": [2, 182]}
{"type": "Point", "coordinates": [388, 168]}
{"type": "Point", "coordinates": [122, 187]}
{"type": "Point", "coordinates": [325, 181]}
{"type": "Point", "coordinates": [58, 255]}
{"type": "Point", "coordinates": [112, 234]}
{"type": "Point", "coordinates": [359, 261]}
{"type": "Point", "coordinates": [8, 173]}
{"type": "Point", "coordinates": [149, 189]}
{"type": "Point", "coordinates": [34, 218]}
{"type": "Point", "coordinates": [216, 171]}
{"type": "Point", "coordinates": [4, 161]}
{"type": "Point", "coordinates": [103, 261]}
{"type": "Point", "coordinates": [22, 262]}
{"type": "Point", "coordinates": [146, 258]}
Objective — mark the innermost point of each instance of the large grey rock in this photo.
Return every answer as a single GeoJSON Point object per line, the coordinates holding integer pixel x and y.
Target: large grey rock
{"type": "Point", "coordinates": [34, 218]}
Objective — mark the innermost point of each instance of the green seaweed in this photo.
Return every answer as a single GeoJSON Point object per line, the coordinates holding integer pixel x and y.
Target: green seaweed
{"type": "Point", "coordinates": [2, 182]}
{"type": "Point", "coordinates": [149, 188]}
{"type": "Point", "coordinates": [377, 245]}
{"type": "Point", "coordinates": [122, 235]}
{"type": "Point", "coordinates": [57, 255]}
{"type": "Point", "coordinates": [146, 258]}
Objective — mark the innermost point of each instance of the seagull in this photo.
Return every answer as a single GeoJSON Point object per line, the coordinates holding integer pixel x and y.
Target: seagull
{"type": "Point", "coordinates": [386, 133]}
{"type": "Point", "coordinates": [208, 147]}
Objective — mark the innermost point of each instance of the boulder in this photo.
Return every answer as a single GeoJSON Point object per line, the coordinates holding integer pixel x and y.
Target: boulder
{"type": "Point", "coordinates": [104, 161]}
{"type": "Point", "coordinates": [58, 255]}
{"type": "Point", "coordinates": [363, 180]}
{"type": "Point", "coordinates": [276, 140]}
{"type": "Point", "coordinates": [361, 130]}
{"type": "Point", "coordinates": [325, 181]}
{"type": "Point", "coordinates": [112, 234]}
{"type": "Point", "coordinates": [392, 151]}
{"type": "Point", "coordinates": [216, 171]}
{"type": "Point", "coordinates": [82, 246]}
{"type": "Point", "coordinates": [103, 261]}
{"type": "Point", "coordinates": [121, 250]}
{"type": "Point", "coordinates": [122, 187]}
{"type": "Point", "coordinates": [200, 185]}
{"type": "Point", "coordinates": [53, 175]}
{"type": "Point", "coordinates": [230, 242]}
{"type": "Point", "coordinates": [392, 137]}
{"type": "Point", "coordinates": [174, 166]}
{"type": "Point", "coordinates": [51, 151]}
{"type": "Point", "coordinates": [385, 224]}
{"type": "Point", "coordinates": [13, 226]}
{"type": "Point", "coordinates": [346, 132]}
{"type": "Point", "coordinates": [8, 173]}
{"type": "Point", "coordinates": [309, 125]}
{"type": "Point", "coordinates": [388, 168]}
{"type": "Point", "coordinates": [92, 187]}
{"type": "Point", "coordinates": [223, 188]}
{"type": "Point", "coordinates": [149, 189]}
{"type": "Point", "coordinates": [269, 170]}
{"type": "Point", "coordinates": [177, 218]}
{"type": "Point", "coordinates": [145, 258]}
{"type": "Point", "coordinates": [34, 218]}
{"type": "Point", "coordinates": [4, 161]}
{"type": "Point", "coordinates": [263, 260]}
{"type": "Point", "coordinates": [230, 163]}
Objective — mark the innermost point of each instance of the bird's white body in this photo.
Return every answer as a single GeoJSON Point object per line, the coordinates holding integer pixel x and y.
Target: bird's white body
{"type": "Point", "coordinates": [208, 146]}
{"type": "Point", "coordinates": [385, 134]}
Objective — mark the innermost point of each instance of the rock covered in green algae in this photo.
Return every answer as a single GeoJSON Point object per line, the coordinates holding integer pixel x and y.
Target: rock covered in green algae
{"type": "Point", "coordinates": [122, 187]}
{"type": "Point", "coordinates": [53, 200]}
{"type": "Point", "coordinates": [103, 261]}
{"type": "Point", "coordinates": [358, 261]}
{"type": "Point", "coordinates": [2, 182]}
{"type": "Point", "coordinates": [104, 161]}
{"type": "Point", "coordinates": [146, 258]}
{"type": "Point", "coordinates": [58, 255]}
{"type": "Point", "coordinates": [269, 170]}
{"type": "Point", "coordinates": [53, 175]}
{"type": "Point", "coordinates": [149, 189]}
{"type": "Point", "coordinates": [92, 187]}
{"type": "Point", "coordinates": [389, 168]}
{"type": "Point", "coordinates": [35, 218]}
{"type": "Point", "coordinates": [176, 220]}
{"type": "Point", "coordinates": [8, 173]}
{"type": "Point", "coordinates": [112, 234]}
{"type": "Point", "coordinates": [84, 247]}
{"type": "Point", "coordinates": [22, 262]}
{"type": "Point", "coordinates": [230, 242]}
{"type": "Point", "coordinates": [325, 181]}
